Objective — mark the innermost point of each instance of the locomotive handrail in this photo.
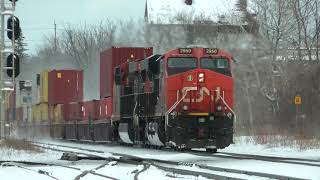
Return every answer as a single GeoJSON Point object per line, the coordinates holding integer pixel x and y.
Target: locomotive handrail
{"type": "Point", "coordinates": [226, 104]}
{"type": "Point", "coordinates": [177, 102]}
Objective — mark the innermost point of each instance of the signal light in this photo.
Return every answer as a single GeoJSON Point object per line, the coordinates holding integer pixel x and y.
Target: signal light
{"type": "Point", "coordinates": [13, 2]}
{"type": "Point", "coordinates": [13, 26]}
{"type": "Point", "coordinates": [201, 77]}
{"type": "Point", "coordinates": [16, 59]}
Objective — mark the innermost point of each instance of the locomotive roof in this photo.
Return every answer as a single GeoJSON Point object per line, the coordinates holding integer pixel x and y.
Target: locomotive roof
{"type": "Point", "coordinates": [166, 11]}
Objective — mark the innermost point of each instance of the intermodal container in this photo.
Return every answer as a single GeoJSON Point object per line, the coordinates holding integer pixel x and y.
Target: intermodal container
{"type": "Point", "coordinates": [27, 114]}
{"type": "Point", "coordinates": [113, 57]}
{"type": "Point", "coordinates": [19, 114]}
{"type": "Point", "coordinates": [87, 110]}
{"type": "Point", "coordinates": [51, 113]}
{"type": "Point", "coordinates": [36, 114]}
{"type": "Point", "coordinates": [12, 99]}
{"type": "Point", "coordinates": [66, 112]}
{"type": "Point", "coordinates": [105, 108]}
{"type": "Point", "coordinates": [11, 114]}
{"type": "Point", "coordinates": [58, 113]}
{"type": "Point", "coordinates": [96, 109]}
{"type": "Point", "coordinates": [71, 111]}
{"type": "Point", "coordinates": [44, 82]}
{"type": "Point", "coordinates": [44, 113]}
{"type": "Point", "coordinates": [65, 86]}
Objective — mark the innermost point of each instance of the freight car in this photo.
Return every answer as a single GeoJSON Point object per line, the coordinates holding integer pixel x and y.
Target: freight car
{"type": "Point", "coordinates": [182, 99]}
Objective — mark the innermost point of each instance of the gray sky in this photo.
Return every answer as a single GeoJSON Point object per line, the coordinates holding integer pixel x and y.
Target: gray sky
{"type": "Point", "coordinates": [37, 16]}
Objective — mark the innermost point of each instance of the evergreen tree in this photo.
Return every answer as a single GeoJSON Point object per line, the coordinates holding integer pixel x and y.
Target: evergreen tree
{"type": "Point", "coordinates": [20, 47]}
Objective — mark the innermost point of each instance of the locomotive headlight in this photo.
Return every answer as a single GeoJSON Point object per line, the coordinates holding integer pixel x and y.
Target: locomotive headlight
{"type": "Point", "coordinates": [201, 77]}
{"type": "Point", "coordinates": [211, 118]}
{"type": "Point", "coordinates": [185, 107]}
{"type": "Point", "coordinates": [219, 108]}
{"type": "Point", "coordinates": [229, 115]}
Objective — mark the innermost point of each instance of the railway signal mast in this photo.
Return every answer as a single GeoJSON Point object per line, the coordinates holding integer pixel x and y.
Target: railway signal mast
{"type": "Point", "coordinates": [10, 62]}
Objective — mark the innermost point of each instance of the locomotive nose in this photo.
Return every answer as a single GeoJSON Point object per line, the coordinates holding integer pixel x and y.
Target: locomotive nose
{"type": "Point", "coordinates": [198, 99]}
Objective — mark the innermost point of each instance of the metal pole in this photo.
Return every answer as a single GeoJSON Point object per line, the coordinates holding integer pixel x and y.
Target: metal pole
{"type": "Point", "coordinates": [2, 103]}
{"type": "Point", "coordinates": [297, 127]}
{"type": "Point", "coordinates": [5, 11]}
{"type": "Point", "coordinates": [13, 44]}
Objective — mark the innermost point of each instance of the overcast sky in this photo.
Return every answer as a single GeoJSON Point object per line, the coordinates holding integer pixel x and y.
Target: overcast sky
{"type": "Point", "coordinates": [37, 16]}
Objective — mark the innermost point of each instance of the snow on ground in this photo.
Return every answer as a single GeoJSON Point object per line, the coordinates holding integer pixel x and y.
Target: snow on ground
{"type": "Point", "coordinates": [124, 171]}
{"type": "Point", "coordinates": [120, 171]}
{"type": "Point", "coordinates": [8, 154]}
{"type": "Point", "coordinates": [298, 171]}
{"type": "Point", "coordinates": [248, 145]}
{"type": "Point", "coordinates": [14, 173]}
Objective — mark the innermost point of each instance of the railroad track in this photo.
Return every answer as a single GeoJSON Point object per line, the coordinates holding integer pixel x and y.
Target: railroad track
{"type": "Point", "coordinates": [26, 165]}
{"type": "Point", "coordinates": [175, 167]}
{"type": "Point", "coordinates": [285, 160]}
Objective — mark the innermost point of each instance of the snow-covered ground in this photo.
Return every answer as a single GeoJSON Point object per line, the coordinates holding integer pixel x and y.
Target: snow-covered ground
{"type": "Point", "coordinates": [275, 146]}
{"type": "Point", "coordinates": [124, 171]}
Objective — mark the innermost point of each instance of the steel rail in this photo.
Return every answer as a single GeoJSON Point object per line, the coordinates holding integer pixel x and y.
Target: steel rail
{"type": "Point", "coordinates": [275, 159]}
{"type": "Point", "coordinates": [163, 164]}
{"type": "Point", "coordinates": [270, 157]}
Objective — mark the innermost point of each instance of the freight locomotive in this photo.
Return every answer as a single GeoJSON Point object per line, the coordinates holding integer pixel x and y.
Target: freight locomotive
{"type": "Point", "coordinates": [181, 99]}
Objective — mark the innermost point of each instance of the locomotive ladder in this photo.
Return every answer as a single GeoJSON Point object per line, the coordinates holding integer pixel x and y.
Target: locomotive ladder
{"type": "Point", "coordinates": [177, 103]}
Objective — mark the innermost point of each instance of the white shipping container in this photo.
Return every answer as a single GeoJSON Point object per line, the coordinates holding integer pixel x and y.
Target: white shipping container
{"type": "Point", "coordinates": [23, 93]}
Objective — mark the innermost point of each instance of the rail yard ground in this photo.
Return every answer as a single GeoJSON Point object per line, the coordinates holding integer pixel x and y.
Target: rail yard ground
{"type": "Point", "coordinates": [21, 160]}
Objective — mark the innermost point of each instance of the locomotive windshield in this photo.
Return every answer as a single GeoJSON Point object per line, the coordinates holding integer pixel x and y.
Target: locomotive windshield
{"type": "Point", "coordinates": [181, 64]}
{"type": "Point", "coordinates": [220, 65]}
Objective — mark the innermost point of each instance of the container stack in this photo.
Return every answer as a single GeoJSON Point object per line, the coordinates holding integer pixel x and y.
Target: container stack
{"type": "Point", "coordinates": [64, 87]}
{"type": "Point", "coordinates": [57, 88]}
{"type": "Point", "coordinates": [59, 107]}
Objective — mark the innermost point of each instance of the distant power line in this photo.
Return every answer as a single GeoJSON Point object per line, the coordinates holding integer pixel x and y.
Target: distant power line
{"type": "Point", "coordinates": [39, 29]}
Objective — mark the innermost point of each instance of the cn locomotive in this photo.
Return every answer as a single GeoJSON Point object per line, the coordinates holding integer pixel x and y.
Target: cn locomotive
{"type": "Point", "coordinates": [181, 99]}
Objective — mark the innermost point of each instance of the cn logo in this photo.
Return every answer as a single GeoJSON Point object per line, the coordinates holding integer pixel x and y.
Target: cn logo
{"type": "Point", "coordinates": [203, 90]}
